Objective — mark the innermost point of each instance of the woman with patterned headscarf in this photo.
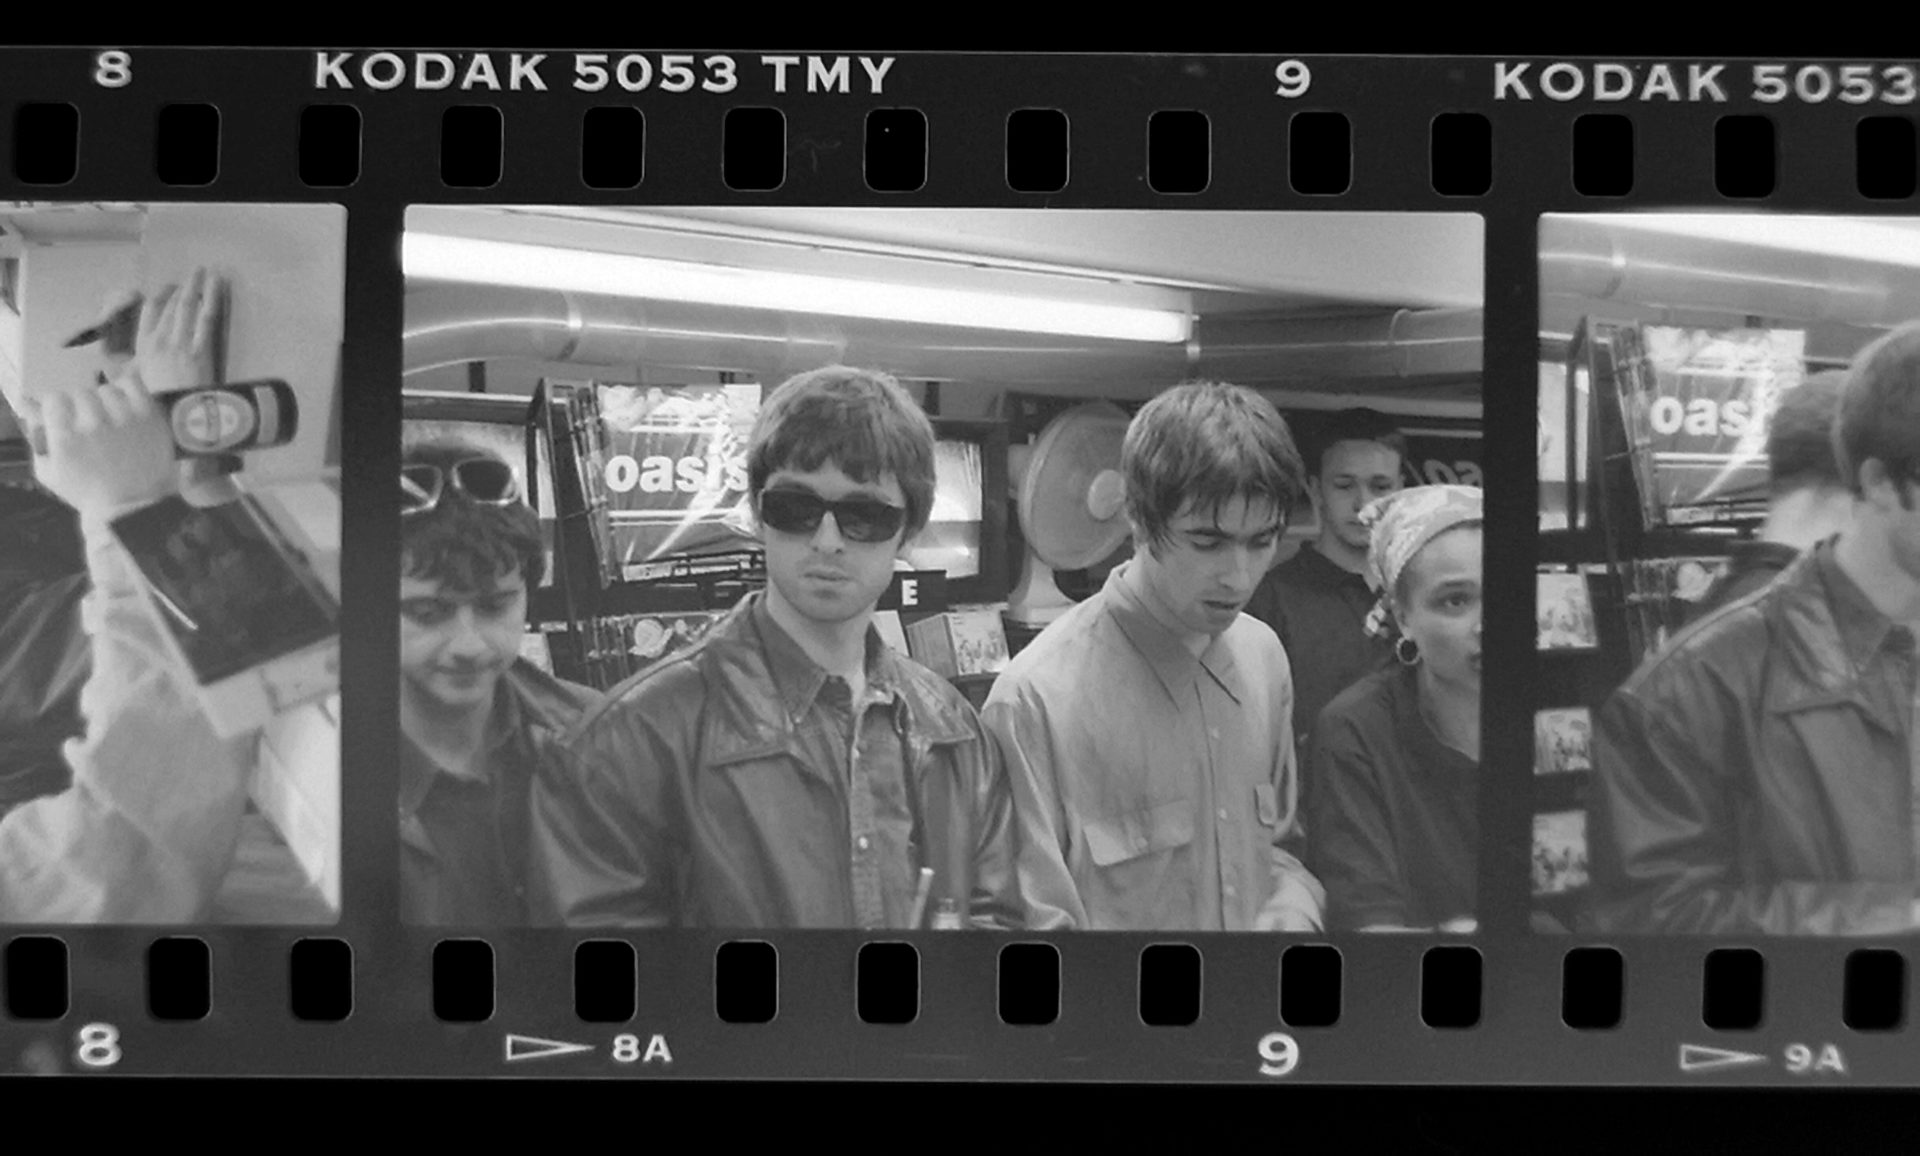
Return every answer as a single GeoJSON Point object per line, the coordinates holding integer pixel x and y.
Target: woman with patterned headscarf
{"type": "Point", "coordinates": [1395, 758]}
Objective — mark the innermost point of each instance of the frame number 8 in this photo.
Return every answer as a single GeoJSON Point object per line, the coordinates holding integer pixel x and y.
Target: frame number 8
{"type": "Point", "coordinates": [99, 1046]}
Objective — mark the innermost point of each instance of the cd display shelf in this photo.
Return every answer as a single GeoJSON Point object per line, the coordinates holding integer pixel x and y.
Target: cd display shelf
{"type": "Point", "coordinates": [1605, 534]}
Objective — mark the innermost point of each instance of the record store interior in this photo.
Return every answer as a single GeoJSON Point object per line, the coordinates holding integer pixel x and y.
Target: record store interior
{"type": "Point", "coordinates": [1664, 340]}
{"type": "Point", "coordinates": [619, 356]}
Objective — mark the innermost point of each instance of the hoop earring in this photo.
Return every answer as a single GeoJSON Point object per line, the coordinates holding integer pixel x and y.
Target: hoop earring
{"type": "Point", "coordinates": [1401, 648]}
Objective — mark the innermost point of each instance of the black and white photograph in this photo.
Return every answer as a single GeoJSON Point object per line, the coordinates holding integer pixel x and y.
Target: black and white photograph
{"type": "Point", "coordinates": [1559, 852]}
{"type": "Point", "coordinates": [1563, 741]}
{"type": "Point", "coordinates": [170, 563]}
{"type": "Point", "coordinates": [1038, 570]}
{"type": "Point", "coordinates": [1741, 392]}
{"type": "Point", "coordinates": [1565, 611]}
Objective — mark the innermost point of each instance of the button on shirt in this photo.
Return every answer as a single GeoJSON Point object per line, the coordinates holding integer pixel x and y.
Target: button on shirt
{"type": "Point", "coordinates": [859, 746]}
{"type": "Point", "coordinates": [1319, 610]}
{"type": "Point", "coordinates": [1152, 788]}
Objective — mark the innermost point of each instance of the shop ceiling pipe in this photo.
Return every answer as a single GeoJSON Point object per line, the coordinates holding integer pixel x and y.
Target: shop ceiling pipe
{"type": "Point", "coordinates": [448, 324]}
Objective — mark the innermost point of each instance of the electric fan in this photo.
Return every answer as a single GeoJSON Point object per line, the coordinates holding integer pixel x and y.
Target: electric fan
{"type": "Point", "coordinates": [1072, 503]}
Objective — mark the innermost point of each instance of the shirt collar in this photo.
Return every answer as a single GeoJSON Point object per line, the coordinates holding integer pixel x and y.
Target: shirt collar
{"type": "Point", "coordinates": [418, 769]}
{"type": "Point", "coordinates": [1863, 629]}
{"type": "Point", "coordinates": [1758, 553]}
{"type": "Point", "coordinates": [1321, 570]}
{"type": "Point", "coordinates": [798, 678]}
{"type": "Point", "coordinates": [1171, 661]}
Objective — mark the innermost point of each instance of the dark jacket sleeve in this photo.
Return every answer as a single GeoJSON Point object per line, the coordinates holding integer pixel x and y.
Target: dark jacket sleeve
{"type": "Point", "coordinates": [996, 903]}
{"type": "Point", "coordinates": [602, 847]}
{"type": "Point", "coordinates": [1350, 846]}
{"type": "Point", "coordinates": [1662, 826]}
{"type": "Point", "coordinates": [44, 650]}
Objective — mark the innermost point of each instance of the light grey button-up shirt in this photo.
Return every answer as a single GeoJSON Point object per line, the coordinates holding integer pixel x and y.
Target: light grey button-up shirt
{"type": "Point", "coordinates": [1154, 790]}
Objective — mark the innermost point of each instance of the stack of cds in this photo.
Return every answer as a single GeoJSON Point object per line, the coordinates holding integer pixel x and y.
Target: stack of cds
{"type": "Point", "coordinates": [601, 652]}
{"type": "Point", "coordinates": [1663, 595]}
{"type": "Point", "coordinates": [579, 405]}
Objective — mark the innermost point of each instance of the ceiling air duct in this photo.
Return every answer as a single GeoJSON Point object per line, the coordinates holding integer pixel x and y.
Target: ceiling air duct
{"type": "Point", "coordinates": [1599, 260]}
{"type": "Point", "coordinates": [448, 325]}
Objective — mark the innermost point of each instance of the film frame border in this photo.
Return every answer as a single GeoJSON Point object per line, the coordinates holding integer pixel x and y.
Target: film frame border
{"type": "Point", "coordinates": [376, 204]}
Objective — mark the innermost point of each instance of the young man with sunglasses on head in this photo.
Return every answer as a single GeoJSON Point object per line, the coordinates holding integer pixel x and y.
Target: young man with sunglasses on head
{"type": "Point", "coordinates": [476, 719]}
{"type": "Point", "coordinates": [1148, 731]}
{"type": "Point", "coordinates": [790, 770]}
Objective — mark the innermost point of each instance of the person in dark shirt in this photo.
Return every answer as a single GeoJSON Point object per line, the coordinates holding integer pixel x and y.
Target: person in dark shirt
{"type": "Point", "coordinates": [44, 655]}
{"type": "Point", "coordinates": [1808, 501]}
{"type": "Point", "coordinates": [475, 717]}
{"type": "Point", "coordinates": [1394, 820]}
{"type": "Point", "coordinates": [1317, 601]}
{"type": "Point", "coordinates": [44, 652]}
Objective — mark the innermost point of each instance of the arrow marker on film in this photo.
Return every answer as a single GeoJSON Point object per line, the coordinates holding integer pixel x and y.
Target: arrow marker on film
{"type": "Point", "coordinates": [535, 1048]}
{"type": "Point", "coordinates": [1694, 1058]}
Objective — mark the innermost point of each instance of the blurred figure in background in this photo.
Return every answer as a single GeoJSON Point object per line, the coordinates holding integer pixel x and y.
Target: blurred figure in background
{"type": "Point", "coordinates": [1808, 499]}
{"type": "Point", "coordinates": [1756, 776]}
{"type": "Point", "coordinates": [1318, 600]}
{"type": "Point", "coordinates": [43, 646]}
{"type": "Point", "coordinates": [43, 581]}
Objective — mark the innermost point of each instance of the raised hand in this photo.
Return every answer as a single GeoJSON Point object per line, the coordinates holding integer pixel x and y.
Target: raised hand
{"type": "Point", "coordinates": [108, 449]}
{"type": "Point", "coordinates": [179, 326]}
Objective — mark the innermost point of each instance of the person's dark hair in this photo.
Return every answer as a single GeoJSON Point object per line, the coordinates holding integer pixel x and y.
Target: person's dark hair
{"type": "Point", "coordinates": [1880, 412]}
{"type": "Point", "coordinates": [465, 545]}
{"type": "Point", "coordinates": [1358, 424]}
{"type": "Point", "coordinates": [1199, 446]}
{"type": "Point", "coordinates": [1800, 448]}
{"type": "Point", "coordinates": [860, 421]}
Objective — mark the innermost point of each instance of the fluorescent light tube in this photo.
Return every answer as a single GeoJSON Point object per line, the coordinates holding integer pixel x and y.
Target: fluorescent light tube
{"type": "Point", "coordinates": [440, 258]}
{"type": "Point", "coordinates": [1854, 238]}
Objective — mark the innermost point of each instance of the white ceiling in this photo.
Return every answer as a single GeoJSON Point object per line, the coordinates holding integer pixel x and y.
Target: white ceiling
{"type": "Point", "coordinates": [39, 223]}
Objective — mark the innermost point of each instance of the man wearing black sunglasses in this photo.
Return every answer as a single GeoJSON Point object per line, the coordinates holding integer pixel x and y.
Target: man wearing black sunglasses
{"type": "Point", "coordinates": [790, 769]}
{"type": "Point", "coordinates": [476, 719]}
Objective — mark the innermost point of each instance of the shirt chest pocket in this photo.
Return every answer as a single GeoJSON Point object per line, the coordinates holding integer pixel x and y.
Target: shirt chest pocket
{"type": "Point", "coordinates": [768, 774]}
{"type": "Point", "coordinates": [1116, 839]}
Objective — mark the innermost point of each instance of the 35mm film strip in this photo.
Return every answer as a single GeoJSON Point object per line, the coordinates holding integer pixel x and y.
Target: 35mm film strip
{"type": "Point", "coordinates": [1088, 503]}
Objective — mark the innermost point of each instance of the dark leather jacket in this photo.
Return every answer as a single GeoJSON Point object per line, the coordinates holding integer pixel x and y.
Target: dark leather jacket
{"type": "Point", "coordinates": [692, 797]}
{"type": "Point", "coordinates": [1750, 567]}
{"type": "Point", "coordinates": [1755, 776]}
{"type": "Point", "coordinates": [44, 651]}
